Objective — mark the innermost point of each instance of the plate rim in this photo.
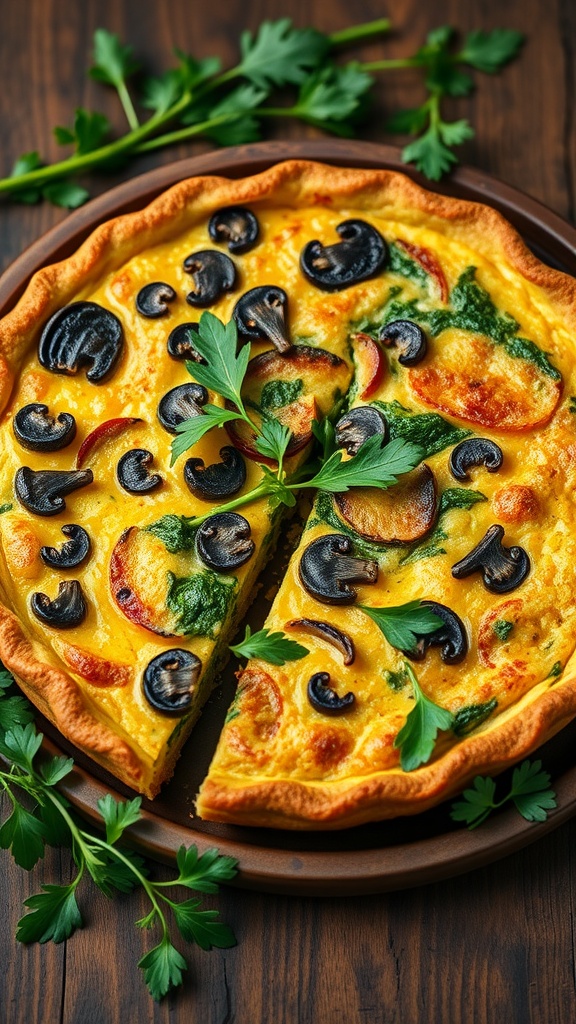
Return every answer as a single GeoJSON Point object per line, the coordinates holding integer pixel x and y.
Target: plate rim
{"type": "Point", "coordinates": [272, 869]}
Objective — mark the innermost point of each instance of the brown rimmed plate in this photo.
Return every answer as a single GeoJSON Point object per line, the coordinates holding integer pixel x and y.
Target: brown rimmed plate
{"type": "Point", "coordinates": [372, 858]}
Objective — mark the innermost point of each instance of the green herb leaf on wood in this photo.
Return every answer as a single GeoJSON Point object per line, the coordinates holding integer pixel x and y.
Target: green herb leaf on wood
{"type": "Point", "coordinates": [55, 915]}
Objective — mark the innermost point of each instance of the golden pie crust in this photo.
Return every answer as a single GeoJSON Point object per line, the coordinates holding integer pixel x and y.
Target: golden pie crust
{"type": "Point", "coordinates": [354, 779]}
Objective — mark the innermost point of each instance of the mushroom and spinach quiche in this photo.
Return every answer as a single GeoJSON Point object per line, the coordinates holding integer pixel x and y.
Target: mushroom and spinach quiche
{"type": "Point", "coordinates": [401, 352]}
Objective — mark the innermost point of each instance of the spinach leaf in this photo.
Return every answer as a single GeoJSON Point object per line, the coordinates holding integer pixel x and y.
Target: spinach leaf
{"type": "Point", "coordinates": [428, 430]}
{"type": "Point", "coordinates": [200, 601]}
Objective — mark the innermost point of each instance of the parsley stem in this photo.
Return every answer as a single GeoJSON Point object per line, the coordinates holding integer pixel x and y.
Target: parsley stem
{"type": "Point", "coordinates": [128, 106]}
{"type": "Point", "coordinates": [390, 65]}
{"type": "Point", "coordinates": [358, 33]}
{"type": "Point", "coordinates": [261, 491]}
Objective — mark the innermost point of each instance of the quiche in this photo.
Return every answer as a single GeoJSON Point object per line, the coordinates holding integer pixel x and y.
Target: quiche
{"type": "Point", "coordinates": [372, 319]}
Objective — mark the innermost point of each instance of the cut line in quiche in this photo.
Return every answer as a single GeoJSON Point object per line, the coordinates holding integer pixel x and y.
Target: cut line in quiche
{"type": "Point", "coordinates": [371, 321]}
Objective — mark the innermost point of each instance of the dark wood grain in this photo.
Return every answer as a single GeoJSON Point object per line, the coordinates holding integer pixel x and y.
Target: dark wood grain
{"type": "Point", "coordinates": [493, 947]}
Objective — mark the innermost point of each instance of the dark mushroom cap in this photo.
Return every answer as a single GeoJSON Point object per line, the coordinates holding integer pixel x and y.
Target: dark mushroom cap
{"type": "Point", "coordinates": [326, 631]}
{"type": "Point", "coordinates": [475, 451]}
{"type": "Point", "coordinates": [324, 699]}
{"type": "Point", "coordinates": [357, 425]}
{"type": "Point", "coordinates": [503, 569]}
{"type": "Point", "coordinates": [360, 255]}
{"type": "Point", "coordinates": [451, 636]}
{"type": "Point", "coordinates": [223, 541]}
{"type": "Point", "coordinates": [82, 334]}
{"type": "Point", "coordinates": [35, 429]}
{"type": "Point", "coordinates": [235, 225]}
{"type": "Point", "coordinates": [170, 679]}
{"type": "Point", "coordinates": [220, 480]}
{"type": "Point", "coordinates": [408, 338]}
{"type": "Point", "coordinates": [42, 491]}
{"type": "Point", "coordinates": [181, 344]}
{"type": "Point", "coordinates": [72, 553]}
{"type": "Point", "coordinates": [214, 273]}
{"type": "Point", "coordinates": [66, 611]}
{"type": "Point", "coordinates": [153, 299]}
{"type": "Point", "coordinates": [261, 313]}
{"type": "Point", "coordinates": [181, 403]}
{"type": "Point", "coordinates": [132, 472]}
{"type": "Point", "coordinates": [328, 567]}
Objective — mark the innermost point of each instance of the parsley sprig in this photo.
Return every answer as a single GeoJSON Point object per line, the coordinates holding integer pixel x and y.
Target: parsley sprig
{"type": "Point", "coordinates": [223, 372]}
{"type": "Point", "coordinates": [275, 648]}
{"type": "Point", "coordinates": [417, 737]}
{"type": "Point", "coordinates": [530, 793]}
{"type": "Point", "coordinates": [196, 98]}
{"type": "Point", "coordinates": [432, 152]}
{"type": "Point", "coordinates": [46, 818]}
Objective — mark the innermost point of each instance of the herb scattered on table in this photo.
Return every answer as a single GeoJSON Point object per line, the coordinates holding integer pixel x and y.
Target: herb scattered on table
{"type": "Point", "coordinates": [530, 793]}
{"type": "Point", "coordinates": [372, 466]}
{"type": "Point", "coordinates": [196, 98]}
{"type": "Point", "coordinates": [417, 737]}
{"type": "Point", "coordinates": [46, 818]}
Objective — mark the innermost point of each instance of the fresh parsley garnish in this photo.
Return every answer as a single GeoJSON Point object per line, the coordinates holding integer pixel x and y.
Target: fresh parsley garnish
{"type": "Point", "coordinates": [403, 624]}
{"type": "Point", "coordinates": [54, 913]}
{"type": "Point", "coordinates": [276, 648]}
{"type": "Point", "coordinates": [223, 372]}
{"type": "Point", "coordinates": [530, 793]}
{"type": "Point", "coordinates": [196, 98]}
{"type": "Point", "coordinates": [417, 737]}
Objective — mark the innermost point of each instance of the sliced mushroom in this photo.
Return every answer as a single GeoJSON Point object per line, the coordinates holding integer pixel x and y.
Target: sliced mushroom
{"type": "Point", "coordinates": [408, 338]}
{"type": "Point", "coordinates": [261, 312]}
{"type": "Point", "coordinates": [72, 553]}
{"type": "Point", "coordinates": [328, 567]}
{"type": "Point", "coordinates": [475, 451]}
{"type": "Point", "coordinates": [360, 255]}
{"type": "Point", "coordinates": [357, 425]}
{"type": "Point", "coordinates": [503, 569]}
{"type": "Point", "coordinates": [214, 273]}
{"type": "Point", "coordinates": [181, 403]}
{"type": "Point", "coordinates": [451, 636]}
{"type": "Point", "coordinates": [223, 541]}
{"type": "Point", "coordinates": [326, 631]}
{"type": "Point", "coordinates": [153, 299]}
{"type": "Point", "coordinates": [133, 475]}
{"type": "Point", "coordinates": [66, 611]}
{"type": "Point", "coordinates": [181, 345]}
{"type": "Point", "coordinates": [170, 680]}
{"type": "Point", "coordinates": [42, 491]}
{"type": "Point", "coordinates": [235, 225]}
{"type": "Point", "coordinates": [35, 429]}
{"type": "Point", "coordinates": [220, 480]}
{"type": "Point", "coordinates": [82, 334]}
{"type": "Point", "coordinates": [326, 700]}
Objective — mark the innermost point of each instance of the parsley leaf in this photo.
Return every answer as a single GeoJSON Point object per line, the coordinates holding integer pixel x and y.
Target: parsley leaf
{"type": "Point", "coordinates": [224, 370]}
{"type": "Point", "coordinates": [331, 95]}
{"type": "Point", "coordinates": [417, 737]}
{"type": "Point", "coordinates": [372, 466]}
{"type": "Point", "coordinates": [118, 815]}
{"type": "Point", "coordinates": [162, 967]}
{"type": "Point", "coordinates": [276, 648]}
{"type": "Point", "coordinates": [202, 926]}
{"type": "Point", "coordinates": [530, 793]}
{"type": "Point", "coordinates": [22, 834]}
{"type": "Point", "coordinates": [66, 194]}
{"type": "Point", "coordinates": [189, 432]}
{"type": "Point", "coordinates": [89, 131]}
{"type": "Point", "coordinates": [279, 54]}
{"type": "Point", "coordinates": [273, 440]}
{"type": "Point", "coordinates": [55, 915]}
{"type": "Point", "coordinates": [490, 51]}
{"type": "Point", "coordinates": [56, 769]}
{"type": "Point", "coordinates": [403, 624]}
{"type": "Point", "coordinates": [204, 873]}
{"type": "Point", "coordinates": [113, 62]}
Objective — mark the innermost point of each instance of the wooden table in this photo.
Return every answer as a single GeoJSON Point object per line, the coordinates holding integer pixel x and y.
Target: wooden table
{"type": "Point", "coordinates": [495, 945]}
